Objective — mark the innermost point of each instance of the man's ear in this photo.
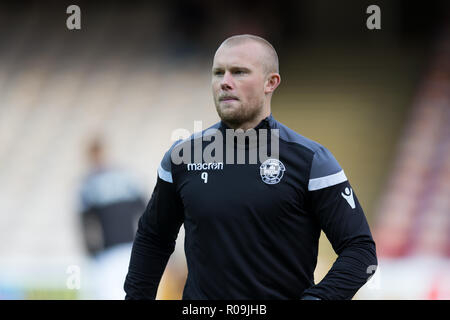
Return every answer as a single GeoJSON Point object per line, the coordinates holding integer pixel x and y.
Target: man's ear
{"type": "Point", "coordinates": [272, 82]}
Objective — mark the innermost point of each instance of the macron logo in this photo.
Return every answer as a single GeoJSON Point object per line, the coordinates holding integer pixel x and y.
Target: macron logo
{"type": "Point", "coordinates": [348, 196]}
{"type": "Point", "coordinates": [205, 166]}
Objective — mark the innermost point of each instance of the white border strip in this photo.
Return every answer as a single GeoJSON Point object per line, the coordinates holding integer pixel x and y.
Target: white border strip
{"type": "Point", "coordinates": [165, 175]}
{"type": "Point", "coordinates": [327, 181]}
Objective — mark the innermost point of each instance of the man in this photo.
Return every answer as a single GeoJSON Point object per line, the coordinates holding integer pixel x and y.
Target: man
{"type": "Point", "coordinates": [252, 229]}
{"type": "Point", "coordinates": [111, 203]}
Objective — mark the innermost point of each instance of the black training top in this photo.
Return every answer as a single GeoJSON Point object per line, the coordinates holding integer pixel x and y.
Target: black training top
{"type": "Point", "coordinates": [252, 229]}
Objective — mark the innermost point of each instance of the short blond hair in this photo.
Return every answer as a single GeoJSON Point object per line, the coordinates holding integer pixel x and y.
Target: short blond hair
{"type": "Point", "coordinates": [271, 64]}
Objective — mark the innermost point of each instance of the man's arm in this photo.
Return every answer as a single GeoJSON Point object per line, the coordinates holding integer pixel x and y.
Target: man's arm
{"type": "Point", "coordinates": [341, 217]}
{"type": "Point", "coordinates": [155, 238]}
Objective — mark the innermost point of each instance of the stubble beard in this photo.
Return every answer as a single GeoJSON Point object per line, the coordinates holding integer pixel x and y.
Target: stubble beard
{"type": "Point", "coordinates": [236, 116]}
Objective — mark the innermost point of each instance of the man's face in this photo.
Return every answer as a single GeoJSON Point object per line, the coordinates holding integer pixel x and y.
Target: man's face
{"type": "Point", "coordinates": [238, 78]}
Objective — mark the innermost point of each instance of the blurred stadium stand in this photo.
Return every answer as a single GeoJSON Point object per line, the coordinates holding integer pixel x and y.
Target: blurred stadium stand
{"type": "Point", "coordinates": [414, 214]}
{"type": "Point", "coordinates": [135, 74]}
{"type": "Point", "coordinates": [413, 217]}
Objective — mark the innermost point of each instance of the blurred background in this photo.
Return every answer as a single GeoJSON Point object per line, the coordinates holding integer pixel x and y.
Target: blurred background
{"type": "Point", "coordinates": [86, 116]}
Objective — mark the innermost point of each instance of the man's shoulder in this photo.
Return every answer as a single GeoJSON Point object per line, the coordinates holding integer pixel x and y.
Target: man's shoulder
{"type": "Point", "coordinates": [196, 135]}
{"type": "Point", "coordinates": [323, 162]}
{"type": "Point", "coordinates": [167, 162]}
{"type": "Point", "coordinates": [290, 136]}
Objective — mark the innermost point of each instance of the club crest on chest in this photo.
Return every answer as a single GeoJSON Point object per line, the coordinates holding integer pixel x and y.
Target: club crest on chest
{"type": "Point", "coordinates": [272, 171]}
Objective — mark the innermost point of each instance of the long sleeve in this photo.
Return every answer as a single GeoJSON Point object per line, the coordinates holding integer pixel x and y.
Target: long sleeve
{"type": "Point", "coordinates": [341, 217]}
{"type": "Point", "coordinates": [155, 238]}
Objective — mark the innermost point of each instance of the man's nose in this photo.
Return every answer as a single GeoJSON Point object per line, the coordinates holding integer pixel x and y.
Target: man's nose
{"type": "Point", "coordinates": [227, 82]}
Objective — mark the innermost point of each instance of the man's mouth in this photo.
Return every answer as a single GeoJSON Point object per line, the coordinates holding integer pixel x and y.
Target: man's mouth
{"type": "Point", "coordinates": [228, 98]}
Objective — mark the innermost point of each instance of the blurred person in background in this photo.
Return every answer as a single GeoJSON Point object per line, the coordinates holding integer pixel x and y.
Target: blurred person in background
{"type": "Point", "coordinates": [252, 230]}
{"type": "Point", "coordinates": [111, 203]}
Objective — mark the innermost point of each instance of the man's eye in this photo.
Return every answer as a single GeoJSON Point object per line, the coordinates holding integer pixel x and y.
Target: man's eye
{"type": "Point", "coordinates": [239, 72]}
{"type": "Point", "coordinates": [218, 73]}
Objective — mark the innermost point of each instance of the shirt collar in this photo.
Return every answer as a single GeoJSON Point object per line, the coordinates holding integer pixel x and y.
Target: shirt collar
{"type": "Point", "coordinates": [266, 123]}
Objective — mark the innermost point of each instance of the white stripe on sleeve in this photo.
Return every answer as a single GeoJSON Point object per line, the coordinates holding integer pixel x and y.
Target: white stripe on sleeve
{"type": "Point", "coordinates": [327, 181]}
{"type": "Point", "coordinates": [164, 175]}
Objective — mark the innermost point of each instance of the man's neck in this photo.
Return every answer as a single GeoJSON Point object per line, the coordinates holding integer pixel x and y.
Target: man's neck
{"type": "Point", "coordinates": [249, 124]}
